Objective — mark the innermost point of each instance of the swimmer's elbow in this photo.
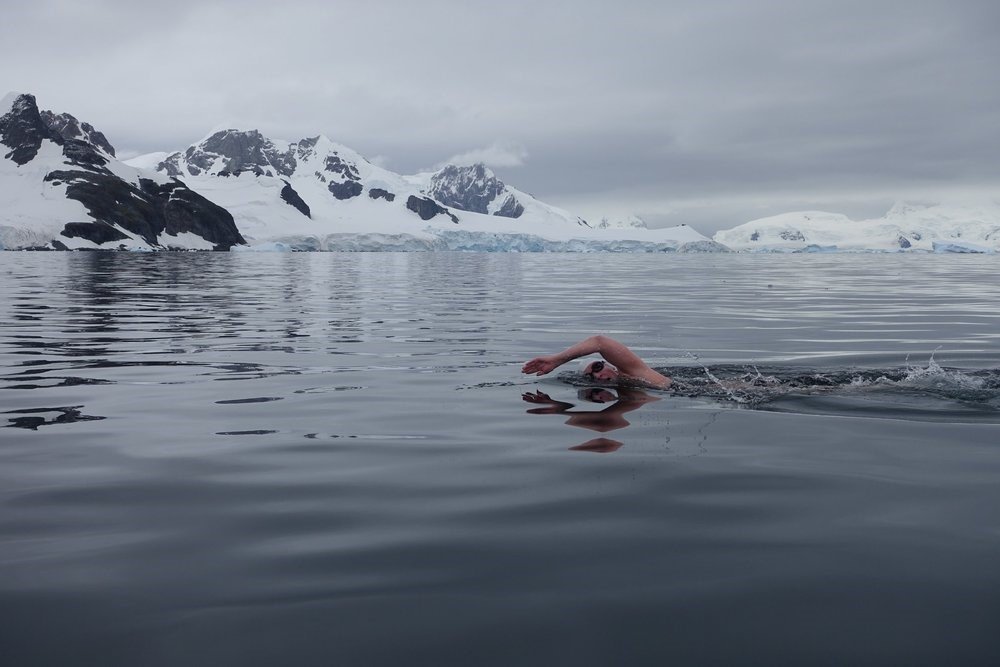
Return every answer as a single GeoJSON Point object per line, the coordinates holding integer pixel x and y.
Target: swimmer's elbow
{"type": "Point", "coordinates": [612, 350]}
{"type": "Point", "coordinates": [601, 341]}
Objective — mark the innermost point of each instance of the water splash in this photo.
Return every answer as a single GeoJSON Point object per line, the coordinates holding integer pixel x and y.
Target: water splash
{"type": "Point", "coordinates": [756, 386]}
{"type": "Point", "coordinates": [730, 391]}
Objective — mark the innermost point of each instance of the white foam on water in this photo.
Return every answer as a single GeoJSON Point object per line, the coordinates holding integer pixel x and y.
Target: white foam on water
{"type": "Point", "coordinates": [935, 377]}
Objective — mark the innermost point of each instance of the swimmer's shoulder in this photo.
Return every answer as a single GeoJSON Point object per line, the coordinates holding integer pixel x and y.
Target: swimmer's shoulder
{"type": "Point", "coordinates": [651, 380]}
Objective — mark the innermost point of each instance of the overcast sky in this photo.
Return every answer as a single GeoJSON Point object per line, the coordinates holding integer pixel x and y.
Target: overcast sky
{"type": "Point", "coordinates": [710, 113]}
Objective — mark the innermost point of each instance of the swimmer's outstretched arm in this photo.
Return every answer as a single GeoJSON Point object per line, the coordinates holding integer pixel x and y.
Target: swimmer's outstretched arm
{"type": "Point", "coordinates": [627, 361]}
{"type": "Point", "coordinates": [548, 363]}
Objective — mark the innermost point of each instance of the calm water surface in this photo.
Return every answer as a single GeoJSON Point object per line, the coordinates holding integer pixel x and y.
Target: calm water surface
{"type": "Point", "coordinates": [317, 459]}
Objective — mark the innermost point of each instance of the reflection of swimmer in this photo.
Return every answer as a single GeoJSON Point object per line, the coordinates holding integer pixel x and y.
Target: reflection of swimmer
{"type": "Point", "coordinates": [602, 421]}
{"type": "Point", "coordinates": [627, 366]}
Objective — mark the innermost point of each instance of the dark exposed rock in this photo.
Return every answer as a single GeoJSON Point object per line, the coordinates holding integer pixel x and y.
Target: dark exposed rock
{"type": "Point", "coordinates": [379, 193]}
{"type": "Point", "coordinates": [337, 166]}
{"type": "Point", "coordinates": [246, 150]}
{"type": "Point", "coordinates": [755, 236]}
{"type": "Point", "coordinates": [70, 128]}
{"type": "Point", "coordinates": [345, 190]}
{"type": "Point", "coordinates": [147, 211]}
{"type": "Point", "coordinates": [22, 130]}
{"type": "Point", "coordinates": [199, 161]}
{"type": "Point", "coordinates": [794, 235]}
{"type": "Point", "coordinates": [170, 166]}
{"type": "Point", "coordinates": [511, 208]}
{"type": "Point", "coordinates": [83, 154]}
{"type": "Point", "coordinates": [184, 210]}
{"type": "Point", "coordinates": [472, 189]}
{"type": "Point", "coordinates": [427, 208]}
{"type": "Point", "coordinates": [903, 242]}
{"type": "Point", "coordinates": [97, 232]}
{"type": "Point", "coordinates": [241, 151]}
{"type": "Point", "coordinates": [306, 147]}
{"type": "Point", "coordinates": [292, 198]}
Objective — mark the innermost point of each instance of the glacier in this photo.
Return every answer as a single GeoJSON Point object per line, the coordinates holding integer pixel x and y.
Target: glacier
{"type": "Point", "coordinates": [436, 239]}
{"type": "Point", "coordinates": [940, 227]}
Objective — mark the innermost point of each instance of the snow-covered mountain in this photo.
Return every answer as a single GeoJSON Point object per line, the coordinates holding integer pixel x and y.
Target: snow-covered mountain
{"type": "Point", "coordinates": [476, 189]}
{"type": "Point", "coordinates": [905, 227]}
{"type": "Point", "coordinates": [61, 188]}
{"type": "Point", "coordinates": [316, 194]}
{"type": "Point", "coordinates": [70, 128]}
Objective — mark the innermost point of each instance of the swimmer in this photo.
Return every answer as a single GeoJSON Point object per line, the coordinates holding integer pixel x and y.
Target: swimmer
{"type": "Point", "coordinates": [620, 364]}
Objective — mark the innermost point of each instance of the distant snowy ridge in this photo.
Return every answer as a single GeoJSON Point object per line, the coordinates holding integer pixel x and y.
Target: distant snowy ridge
{"type": "Point", "coordinates": [905, 227]}
{"type": "Point", "coordinates": [316, 194]}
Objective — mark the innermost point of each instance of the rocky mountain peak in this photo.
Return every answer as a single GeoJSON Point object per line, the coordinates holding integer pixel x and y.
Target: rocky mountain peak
{"type": "Point", "coordinates": [231, 152]}
{"type": "Point", "coordinates": [69, 127]}
{"type": "Point", "coordinates": [22, 129]}
{"type": "Point", "coordinates": [474, 188]}
{"type": "Point", "coordinates": [306, 148]}
{"type": "Point", "coordinates": [17, 104]}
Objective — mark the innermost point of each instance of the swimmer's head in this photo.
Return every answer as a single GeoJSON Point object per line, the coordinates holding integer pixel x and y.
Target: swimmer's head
{"type": "Point", "coordinates": [601, 371]}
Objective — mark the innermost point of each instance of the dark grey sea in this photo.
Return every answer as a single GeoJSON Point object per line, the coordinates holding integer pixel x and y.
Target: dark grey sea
{"type": "Point", "coordinates": [332, 459]}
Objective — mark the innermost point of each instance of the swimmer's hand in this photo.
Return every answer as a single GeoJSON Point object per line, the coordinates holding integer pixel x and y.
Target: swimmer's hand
{"type": "Point", "coordinates": [542, 365]}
